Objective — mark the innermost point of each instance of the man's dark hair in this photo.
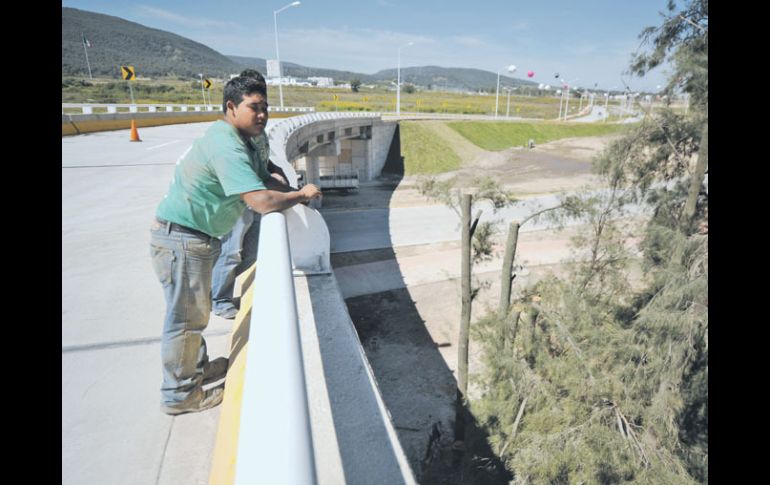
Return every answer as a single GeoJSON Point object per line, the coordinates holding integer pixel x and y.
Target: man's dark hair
{"type": "Point", "coordinates": [240, 86]}
{"type": "Point", "coordinates": [253, 73]}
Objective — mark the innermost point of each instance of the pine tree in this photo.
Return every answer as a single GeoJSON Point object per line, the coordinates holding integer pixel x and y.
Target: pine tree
{"type": "Point", "coordinates": [596, 377]}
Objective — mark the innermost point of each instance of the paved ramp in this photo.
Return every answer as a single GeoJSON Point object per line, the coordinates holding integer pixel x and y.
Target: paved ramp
{"type": "Point", "coordinates": [112, 308]}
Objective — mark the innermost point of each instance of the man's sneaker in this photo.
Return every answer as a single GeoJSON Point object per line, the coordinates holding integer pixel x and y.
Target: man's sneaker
{"type": "Point", "coordinates": [214, 370]}
{"type": "Point", "coordinates": [228, 313]}
{"type": "Point", "coordinates": [199, 400]}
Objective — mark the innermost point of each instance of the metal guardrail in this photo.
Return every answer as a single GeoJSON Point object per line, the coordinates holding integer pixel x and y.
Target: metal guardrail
{"type": "Point", "coordinates": [88, 108]}
{"type": "Point", "coordinates": [275, 363]}
{"type": "Point", "coordinates": [274, 428]}
{"type": "Point", "coordinates": [275, 443]}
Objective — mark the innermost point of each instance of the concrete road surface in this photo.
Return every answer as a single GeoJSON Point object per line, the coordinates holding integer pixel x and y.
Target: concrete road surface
{"type": "Point", "coordinates": [356, 230]}
{"type": "Point", "coordinates": [112, 305]}
{"type": "Point", "coordinates": [112, 309]}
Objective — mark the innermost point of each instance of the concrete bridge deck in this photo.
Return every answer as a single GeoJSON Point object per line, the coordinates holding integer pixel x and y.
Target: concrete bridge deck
{"type": "Point", "coordinates": [112, 430]}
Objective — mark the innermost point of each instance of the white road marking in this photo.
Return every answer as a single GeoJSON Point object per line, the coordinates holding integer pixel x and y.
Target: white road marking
{"type": "Point", "coordinates": [164, 144]}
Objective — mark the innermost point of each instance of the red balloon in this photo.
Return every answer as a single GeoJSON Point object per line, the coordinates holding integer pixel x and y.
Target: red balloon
{"type": "Point", "coordinates": [530, 73]}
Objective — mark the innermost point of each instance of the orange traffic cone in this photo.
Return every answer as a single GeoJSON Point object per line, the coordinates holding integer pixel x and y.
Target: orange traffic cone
{"type": "Point", "coordinates": [134, 133]}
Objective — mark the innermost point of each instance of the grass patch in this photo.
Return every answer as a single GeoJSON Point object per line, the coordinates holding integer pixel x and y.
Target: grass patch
{"type": "Point", "coordinates": [424, 151]}
{"type": "Point", "coordinates": [105, 90]}
{"type": "Point", "coordinates": [496, 136]}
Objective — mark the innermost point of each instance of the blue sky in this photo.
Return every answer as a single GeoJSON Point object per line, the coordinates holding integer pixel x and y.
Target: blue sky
{"type": "Point", "coordinates": [591, 40]}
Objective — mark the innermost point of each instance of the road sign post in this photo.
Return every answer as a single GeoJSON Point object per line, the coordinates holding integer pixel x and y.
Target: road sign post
{"type": "Point", "coordinates": [207, 87]}
{"type": "Point", "coordinates": [129, 74]}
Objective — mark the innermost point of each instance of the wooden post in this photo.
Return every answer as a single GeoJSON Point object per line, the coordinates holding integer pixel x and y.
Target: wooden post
{"type": "Point", "coordinates": [465, 323]}
{"type": "Point", "coordinates": [465, 283]}
{"type": "Point", "coordinates": [506, 278]}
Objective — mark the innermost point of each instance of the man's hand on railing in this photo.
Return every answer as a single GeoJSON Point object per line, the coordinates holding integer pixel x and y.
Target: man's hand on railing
{"type": "Point", "coordinates": [310, 192]}
{"type": "Point", "coordinates": [278, 197]}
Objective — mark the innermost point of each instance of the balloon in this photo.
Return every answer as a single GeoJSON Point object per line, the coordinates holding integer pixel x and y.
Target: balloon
{"type": "Point", "coordinates": [530, 73]}
{"type": "Point", "coordinates": [511, 68]}
{"type": "Point", "coordinates": [557, 75]}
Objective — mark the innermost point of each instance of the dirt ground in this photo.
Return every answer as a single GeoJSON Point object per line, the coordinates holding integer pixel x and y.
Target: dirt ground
{"type": "Point", "coordinates": [552, 167]}
{"type": "Point", "coordinates": [410, 333]}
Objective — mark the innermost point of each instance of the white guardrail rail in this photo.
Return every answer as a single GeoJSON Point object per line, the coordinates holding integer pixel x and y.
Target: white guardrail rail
{"type": "Point", "coordinates": [277, 440]}
{"type": "Point", "coordinates": [89, 108]}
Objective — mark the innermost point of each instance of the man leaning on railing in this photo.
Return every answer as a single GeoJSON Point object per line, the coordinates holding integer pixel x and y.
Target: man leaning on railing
{"type": "Point", "coordinates": [213, 182]}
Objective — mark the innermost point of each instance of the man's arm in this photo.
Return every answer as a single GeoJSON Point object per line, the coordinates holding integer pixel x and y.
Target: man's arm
{"type": "Point", "coordinates": [272, 200]}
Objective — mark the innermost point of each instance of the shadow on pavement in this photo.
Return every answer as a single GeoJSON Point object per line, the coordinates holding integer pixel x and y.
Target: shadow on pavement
{"type": "Point", "coordinates": [417, 386]}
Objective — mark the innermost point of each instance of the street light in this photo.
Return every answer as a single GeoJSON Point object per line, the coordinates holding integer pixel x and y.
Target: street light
{"type": "Point", "coordinates": [200, 74]}
{"type": "Point", "coordinates": [627, 102]}
{"type": "Point", "coordinates": [566, 108]}
{"type": "Point", "coordinates": [398, 82]}
{"type": "Point", "coordinates": [560, 93]}
{"type": "Point", "coordinates": [511, 69]}
{"type": "Point", "coordinates": [277, 55]}
{"type": "Point", "coordinates": [606, 103]}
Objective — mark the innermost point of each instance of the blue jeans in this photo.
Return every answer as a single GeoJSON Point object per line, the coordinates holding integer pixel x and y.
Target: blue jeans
{"type": "Point", "coordinates": [183, 264]}
{"type": "Point", "coordinates": [223, 280]}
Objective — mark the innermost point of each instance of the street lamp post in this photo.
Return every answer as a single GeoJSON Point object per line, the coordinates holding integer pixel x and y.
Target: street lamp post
{"type": "Point", "coordinates": [561, 93]}
{"type": "Point", "coordinates": [511, 69]}
{"type": "Point", "coordinates": [508, 109]}
{"type": "Point", "coordinates": [398, 81]}
{"type": "Point", "coordinates": [277, 55]}
{"type": "Point", "coordinates": [200, 74]}
{"type": "Point", "coordinates": [566, 108]}
{"type": "Point", "coordinates": [566, 102]}
{"type": "Point", "coordinates": [606, 103]}
{"type": "Point", "coordinates": [626, 102]}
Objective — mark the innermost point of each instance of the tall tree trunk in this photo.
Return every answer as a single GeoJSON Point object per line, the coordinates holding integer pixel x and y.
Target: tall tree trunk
{"type": "Point", "coordinates": [510, 339]}
{"type": "Point", "coordinates": [697, 180]}
{"type": "Point", "coordinates": [531, 320]}
{"type": "Point", "coordinates": [505, 278]}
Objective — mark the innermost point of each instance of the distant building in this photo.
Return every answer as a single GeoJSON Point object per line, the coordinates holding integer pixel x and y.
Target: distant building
{"type": "Point", "coordinates": [322, 82]}
{"type": "Point", "coordinates": [286, 81]}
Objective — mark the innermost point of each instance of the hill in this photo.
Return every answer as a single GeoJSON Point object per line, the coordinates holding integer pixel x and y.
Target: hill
{"type": "Point", "coordinates": [117, 42]}
{"type": "Point", "coordinates": [157, 53]}
{"type": "Point", "coordinates": [451, 78]}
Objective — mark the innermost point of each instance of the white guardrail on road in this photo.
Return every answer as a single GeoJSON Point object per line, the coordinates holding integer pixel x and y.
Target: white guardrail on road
{"type": "Point", "coordinates": [88, 108]}
{"type": "Point", "coordinates": [275, 439]}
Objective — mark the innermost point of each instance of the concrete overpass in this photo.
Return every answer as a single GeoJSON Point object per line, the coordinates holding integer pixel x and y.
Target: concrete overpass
{"type": "Point", "coordinates": [334, 150]}
{"type": "Point", "coordinates": [112, 431]}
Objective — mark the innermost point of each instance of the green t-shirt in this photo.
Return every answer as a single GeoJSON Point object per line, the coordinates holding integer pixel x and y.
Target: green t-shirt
{"type": "Point", "coordinates": [210, 177]}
